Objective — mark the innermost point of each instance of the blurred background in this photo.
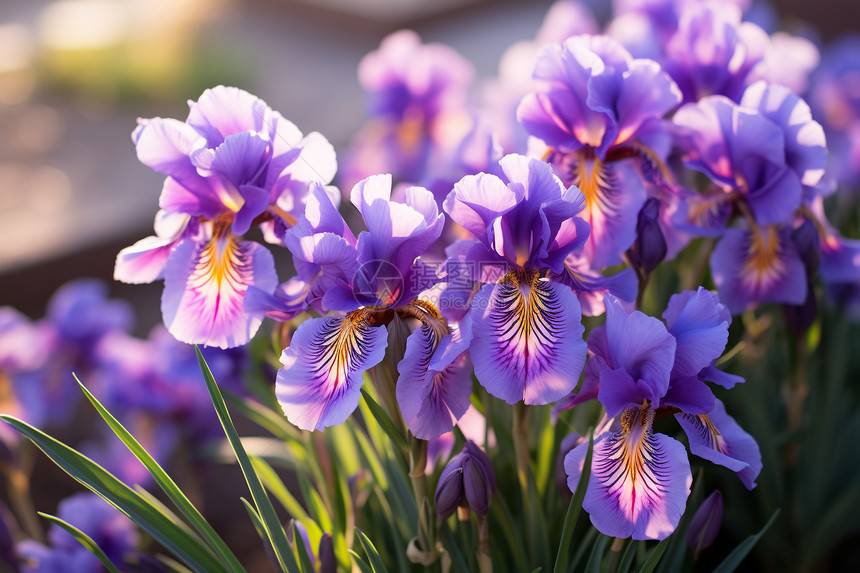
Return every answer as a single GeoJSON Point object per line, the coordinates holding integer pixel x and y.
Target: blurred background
{"type": "Point", "coordinates": [75, 75]}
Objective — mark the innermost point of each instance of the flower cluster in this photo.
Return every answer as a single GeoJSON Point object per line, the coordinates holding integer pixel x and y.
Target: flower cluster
{"type": "Point", "coordinates": [476, 236]}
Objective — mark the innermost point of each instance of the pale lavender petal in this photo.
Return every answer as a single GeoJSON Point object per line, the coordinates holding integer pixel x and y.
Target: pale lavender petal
{"type": "Point", "coordinates": [164, 145]}
{"type": "Point", "coordinates": [639, 482]}
{"type": "Point", "coordinates": [223, 111]}
{"type": "Point", "coordinates": [718, 438]}
{"type": "Point", "coordinates": [144, 261]}
{"type": "Point", "coordinates": [805, 144]}
{"type": "Point", "coordinates": [320, 382]}
{"type": "Point", "coordinates": [477, 200]}
{"type": "Point", "coordinates": [647, 92]}
{"type": "Point", "coordinates": [204, 289]}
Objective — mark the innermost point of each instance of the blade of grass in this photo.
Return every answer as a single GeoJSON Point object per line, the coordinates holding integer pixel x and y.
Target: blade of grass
{"type": "Point", "coordinates": [271, 524]}
{"type": "Point", "coordinates": [84, 540]}
{"type": "Point", "coordinates": [733, 559]}
{"type": "Point", "coordinates": [655, 556]}
{"type": "Point", "coordinates": [164, 528]}
{"type": "Point", "coordinates": [164, 481]}
{"type": "Point", "coordinates": [376, 564]}
{"type": "Point", "coordinates": [573, 511]}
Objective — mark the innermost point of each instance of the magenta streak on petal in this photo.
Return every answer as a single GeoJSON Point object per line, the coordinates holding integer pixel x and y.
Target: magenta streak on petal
{"type": "Point", "coordinates": [633, 466]}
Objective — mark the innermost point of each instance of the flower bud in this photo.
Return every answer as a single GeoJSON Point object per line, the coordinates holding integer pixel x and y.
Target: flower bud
{"type": "Point", "coordinates": [468, 481]}
{"type": "Point", "coordinates": [649, 248]}
{"type": "Point", "coordinates": [705, 523]}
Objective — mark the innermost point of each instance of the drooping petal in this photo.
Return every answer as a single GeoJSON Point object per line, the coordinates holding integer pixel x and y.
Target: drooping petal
{"type": "Point", "coordinates": [205, 286]}
{"type": "Point", "coordinates": [718, 438]}
{"type": "Point", "coordinates": [639, 480]}
{"type": "Point", "coordinates": [759, 266]}
{"type": "Point", "coordinates": [590, 286]}
{"type": "Point", "coordinates": [433, 396]}
{"type": "Point", "coordinates": [527, 340]}
{"type": "Point", "coordinates": [320, 382]}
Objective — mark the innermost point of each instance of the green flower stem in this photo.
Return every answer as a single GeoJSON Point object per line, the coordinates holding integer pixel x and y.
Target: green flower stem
{"type": "Point", "coordinates": [485, 562]}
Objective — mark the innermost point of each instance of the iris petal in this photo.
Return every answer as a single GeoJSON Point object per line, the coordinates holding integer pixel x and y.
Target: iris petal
{"type": "Point", "coordinates": [433, 394]}
{"type": "Point", "coordinates": [639, 480]}
{"type": "Point", "coordinates": [320, 382]}
{"type": "Point", "coordinates": [527, 339]}
{"type": "Point", "coordinates": [718, 438]}
{"type": "Point", "coordinates": [205, 286]}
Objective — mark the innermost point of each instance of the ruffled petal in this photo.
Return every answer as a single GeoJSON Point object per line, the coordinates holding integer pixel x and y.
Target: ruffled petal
{"type": "Point", "coordinates": [320, 382]}
{"type": "Point", "coordinates": [205, 286]}
{"type": "Point", "coordinates": [223, 111]}
{"type": "Point", "coordinates": [639, 482]}
{"type": "Point", "coordinates": [432, 396]}
{"type": "Point", "coordinates": [640, 345]}
{"type": "Point", "coordinates": [695, 319]}
{"type": "Point", "coordinates": [718, 438]}
{"type": "Point", "coordinates": [527, 340]}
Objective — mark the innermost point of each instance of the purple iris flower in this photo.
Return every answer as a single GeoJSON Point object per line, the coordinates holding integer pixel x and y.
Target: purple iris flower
{"type": "Point", "coordinates": [765, 157]}
{"type": "Point", "coordinates": [372, 278]}
{"type": "Point", "coordinates": [527, 336]}
{"type": "Point", "coordinates": [111, 530]}
{"type": "Point", "coordinates": [640, 479]}
{"type": "Point", "coordinates": [232, 164]}
{"type": "Point", "coordinates": [418, 107]}
{"type": "Point", "coordinates": [713, 52]}
{"type": "Point", "coordinates": [600, 114]}
{"type": "Point", "coordinates": [836, 101]}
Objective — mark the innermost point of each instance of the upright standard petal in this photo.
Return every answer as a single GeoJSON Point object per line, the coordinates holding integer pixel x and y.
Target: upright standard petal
{"type": "Point", "coordinates": [320, 382]}
{"type": "Point", "coordinates": [527, 339]}
{"type": "Point", "coordinates": [639, 482]}
{"type": "Point", "coordinates": [718, 438]}
{"type": "Point", "coordinates": [641, 346]}
{"type": "Point", "coordinates": [205, 285]}
{"type": "Point", "coordinates": [696, 320]}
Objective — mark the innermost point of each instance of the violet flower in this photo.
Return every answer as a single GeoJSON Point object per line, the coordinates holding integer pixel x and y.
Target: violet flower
{"type": "Point", "coordinates": [640, 479]}
{"type": "Point", "coordinates": [232, 164]}
{"type": "Point", "coordinates": [111, 530]}
{"type": "Point", "coordinates": [599, 112]}
{"type": "Point", "coordinates": [371, 278]}
{"type": "Point", "coordinates": [527, 336]}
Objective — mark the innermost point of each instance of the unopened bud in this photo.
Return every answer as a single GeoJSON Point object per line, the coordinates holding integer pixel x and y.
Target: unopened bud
{"type": "Point", "coordinates": [649, 249]}
{"type": "Point", "coordinates": [468, 481]}
{"type": "Point", "coordinates": [705, 523]}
